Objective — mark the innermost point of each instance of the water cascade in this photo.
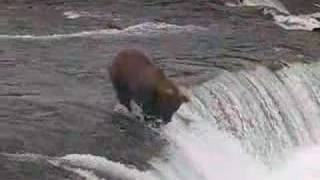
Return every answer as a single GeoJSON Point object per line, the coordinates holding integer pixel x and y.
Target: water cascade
{"type": "Point", "coordinates": [250, 124]}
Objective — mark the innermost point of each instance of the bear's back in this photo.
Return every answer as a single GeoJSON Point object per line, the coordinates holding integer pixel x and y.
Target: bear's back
{"type": "Point", "coordinates": [136, 78]}
{"type": "Point", "coordinates": [131, 59]}
{"type": "Point", "coordinates": [135, 69]}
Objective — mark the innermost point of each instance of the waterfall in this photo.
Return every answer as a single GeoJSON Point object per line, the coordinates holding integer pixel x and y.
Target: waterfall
{"type": "Point", "coordinates": [248, 125]}
{"type": "Point", "coordinates": [268, 111]}
{"type": "Point", "coordinates": [243, 125]}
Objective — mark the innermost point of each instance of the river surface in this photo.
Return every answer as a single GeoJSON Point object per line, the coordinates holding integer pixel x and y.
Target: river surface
{"type": "Point", "coordinates": [251, 69]}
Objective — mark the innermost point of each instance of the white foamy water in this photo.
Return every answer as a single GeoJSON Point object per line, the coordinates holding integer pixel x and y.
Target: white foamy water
{"type": "Point", "coordinates": [303, 164]}
{"type": "Point", "coordinates": [244, 125]}
{"type": "Point", "coordinates": [226, 161]}
{"type": "Point", "coordinates": [199, 151]}
{"type": "Point", "coordinates": [71, 15]}
{"type": "Point", "coordinates": [100, 164]}
{"type": "Point", "coordinates": [283, 18]}
{"type": "Point", "coordinates": [144, 29]}
{"type": "Point", "coordinates": [196, 152]}
{"type": "Point", "coordinates": [79, 14]}
{"type": "Point", "coordinates": [307, 22]}
{"type": "Point", "coordinates": [268, 3]}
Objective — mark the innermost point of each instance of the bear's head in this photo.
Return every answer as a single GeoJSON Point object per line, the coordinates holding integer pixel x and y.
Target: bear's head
{"type": "Point", "coordinates": [168, 99]}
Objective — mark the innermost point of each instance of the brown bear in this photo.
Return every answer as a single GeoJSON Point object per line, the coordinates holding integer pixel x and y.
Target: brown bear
{"type": "Point", "coordinates": [134, 77]}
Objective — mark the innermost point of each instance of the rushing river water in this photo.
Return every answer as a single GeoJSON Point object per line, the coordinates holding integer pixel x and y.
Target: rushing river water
{"type": "Point", "coordinates": [251, 69]}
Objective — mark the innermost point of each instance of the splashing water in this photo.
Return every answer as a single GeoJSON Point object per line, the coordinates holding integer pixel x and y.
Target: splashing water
{"type": "Point", "coordinates": [199, 151]}
{"type": "Point", "coordinates": [243, 126]}
{"type": "Point", "coordinates": [307, 22]}
{"type": "Point", "coordinates": [303, 165]}
{"type": "Point", "coordinates": [284, 19]}
{"type": "Point", "coordinates": [268, 3]}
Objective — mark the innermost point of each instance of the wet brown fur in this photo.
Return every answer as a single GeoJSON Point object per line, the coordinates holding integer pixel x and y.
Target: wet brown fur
{"type": "Point", "coordinates": [134, 77]}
